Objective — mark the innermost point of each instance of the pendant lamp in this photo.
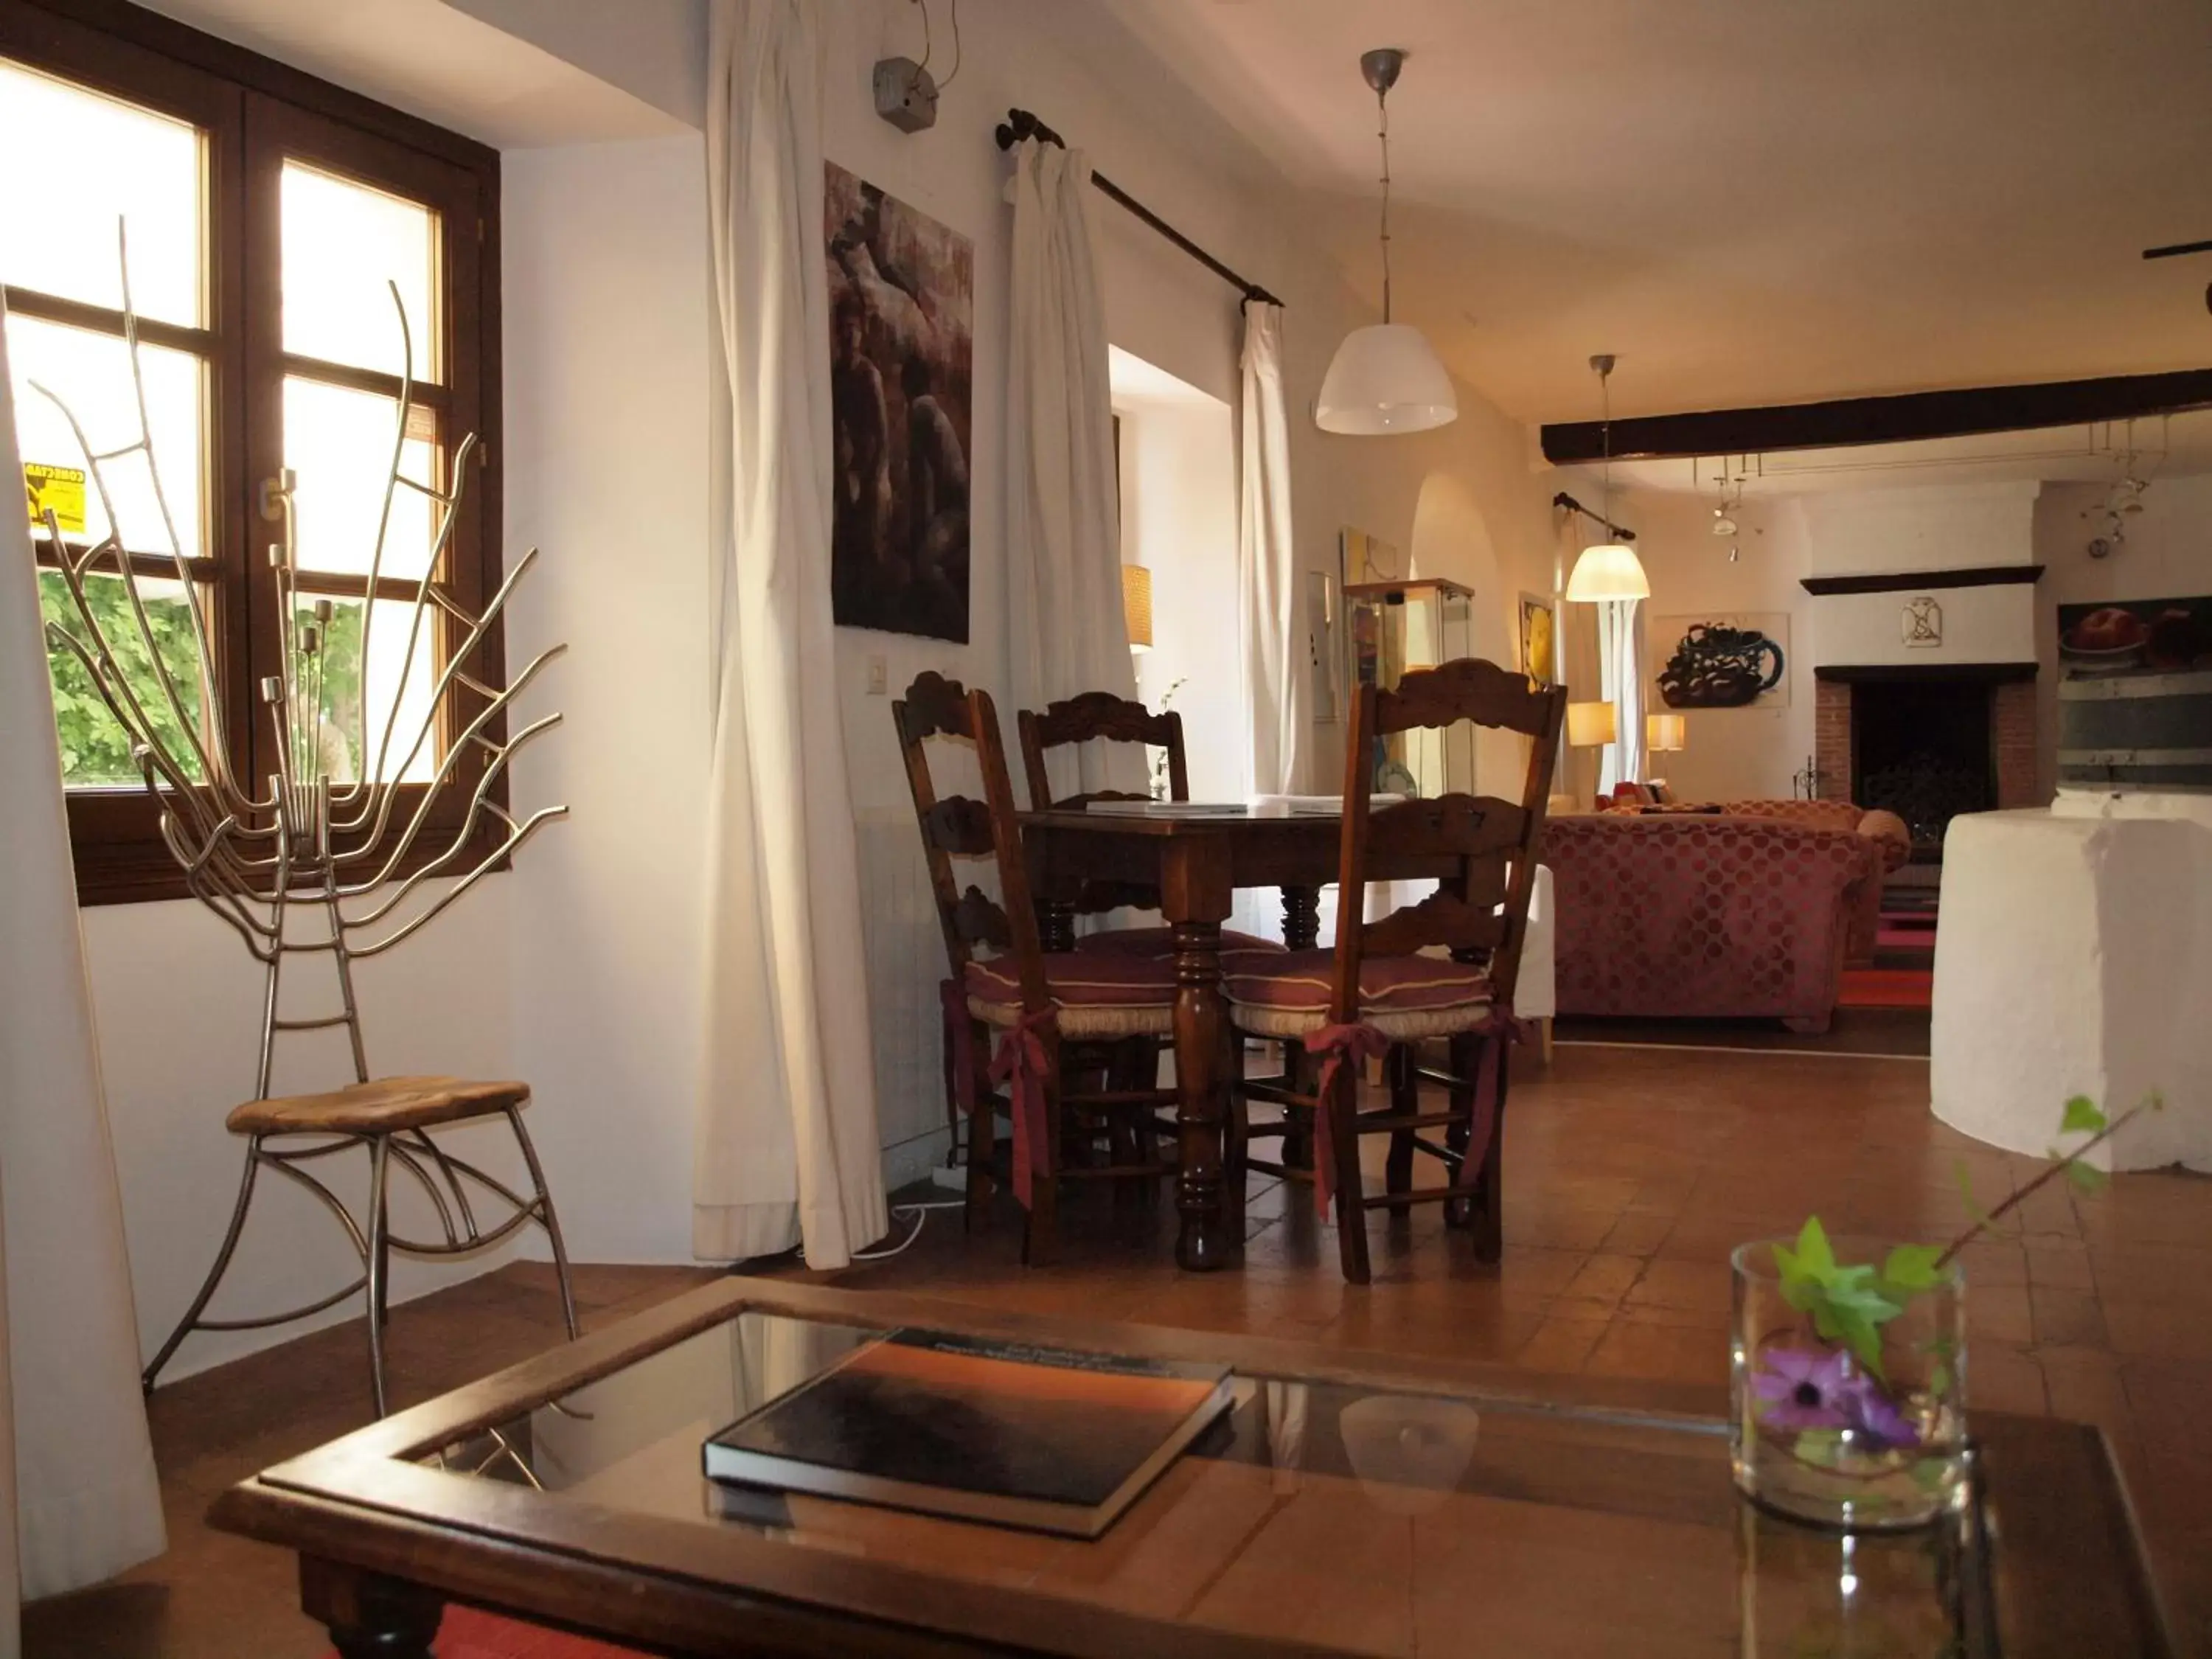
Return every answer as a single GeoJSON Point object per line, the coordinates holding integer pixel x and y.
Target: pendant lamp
{"type": "Point", "coordinates": [1385, 378]}
{"type": "Point", "coordinates": [1607, 570]}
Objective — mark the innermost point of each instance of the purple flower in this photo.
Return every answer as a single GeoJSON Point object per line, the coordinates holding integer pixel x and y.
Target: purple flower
{"type": "Point", "coordinates": [1872, 1418]}
{"type": "Point", "coordinates": [1799, 1389]}
{"type": "Point", "coordinates": [1802, 1389]}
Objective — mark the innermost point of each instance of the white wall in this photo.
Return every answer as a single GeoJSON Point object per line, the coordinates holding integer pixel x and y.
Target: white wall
{"type": "Point", "coordinates": [1927, 528]}
{"type": "Point", "coordinates": [1732, 754]}
{"type": "Point", "coordinates": [607, 400]}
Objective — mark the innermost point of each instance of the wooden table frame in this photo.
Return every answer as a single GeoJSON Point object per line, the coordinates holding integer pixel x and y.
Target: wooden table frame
{"type": "Point", "coordinates": [1198, 863]}
{"type": "Point", "coordinates": [385, 1542]}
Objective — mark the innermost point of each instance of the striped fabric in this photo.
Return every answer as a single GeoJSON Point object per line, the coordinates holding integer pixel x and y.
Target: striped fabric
{"type": "Point", "coordinates": [1403, 997]}
{"type": "Point", "coordinates": [1098, 993]}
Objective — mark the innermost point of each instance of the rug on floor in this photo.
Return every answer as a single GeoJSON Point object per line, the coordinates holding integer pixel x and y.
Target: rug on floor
{"type": "Point", "coordinates": [464, 1633]}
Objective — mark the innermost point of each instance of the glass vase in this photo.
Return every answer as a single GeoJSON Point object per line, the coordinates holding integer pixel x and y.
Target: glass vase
{"type": "Point", "coordinates": [1863, 1436]}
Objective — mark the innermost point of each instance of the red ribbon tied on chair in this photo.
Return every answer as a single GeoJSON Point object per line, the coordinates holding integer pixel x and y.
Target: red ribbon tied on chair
{"type": "Point", "coordinates": [1335, 1044]}
{"type": "Point", "coordinates": [1503, 1026]}
{"type": "Point", "coordinates": [1022, 1064]}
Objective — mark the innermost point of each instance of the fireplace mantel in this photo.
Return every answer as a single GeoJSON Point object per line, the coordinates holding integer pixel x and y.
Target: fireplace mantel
{"type": "Point", "coordinates": [1930, 673]}
{"type": "Point", "coordinates": [1922, 581]}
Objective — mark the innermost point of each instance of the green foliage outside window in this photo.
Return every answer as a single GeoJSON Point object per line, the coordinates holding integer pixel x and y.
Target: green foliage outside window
{"type": "Point", "coordinates": [95, 753]}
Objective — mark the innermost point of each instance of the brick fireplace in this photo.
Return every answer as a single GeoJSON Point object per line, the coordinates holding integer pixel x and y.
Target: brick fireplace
{"type": "Point", "coordinates": [1860, 714]}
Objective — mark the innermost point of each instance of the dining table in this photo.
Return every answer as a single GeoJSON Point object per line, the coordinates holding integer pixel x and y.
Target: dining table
{"type": "Point", "coordinates": [1197, 861]}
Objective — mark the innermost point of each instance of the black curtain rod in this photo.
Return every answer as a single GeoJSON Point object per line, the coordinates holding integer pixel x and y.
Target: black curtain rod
{"type": "Point", "coordinates": [1020, 124]}
{"type": "Point", "coordinates": [1573, 506]}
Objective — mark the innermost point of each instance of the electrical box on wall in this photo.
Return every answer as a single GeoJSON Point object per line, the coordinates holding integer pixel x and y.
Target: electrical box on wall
{"type": "Point", "coordinates": [906, 94]}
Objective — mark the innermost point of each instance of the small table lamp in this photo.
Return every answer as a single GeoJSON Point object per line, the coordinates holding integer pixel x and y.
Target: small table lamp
{"type": "Point", "coordinates": [1137, 605]}
{"type": "Point", "coordinates": [1591, 724]}
{"type": "Point", "coordinates": [1665, 733]}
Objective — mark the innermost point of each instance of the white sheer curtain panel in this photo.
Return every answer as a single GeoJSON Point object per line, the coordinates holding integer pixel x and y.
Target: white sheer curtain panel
{"type": "Point", "coordinates": [1621, 671]}
{"type": "Point", "coordinates": [1275, 669]}
{"type": "Point", "coordinates": [1065, 629]}
{"type": "Point", "coordinates": [83, 1503]}
{"type": "Point", "coordinates": [787, 1144]}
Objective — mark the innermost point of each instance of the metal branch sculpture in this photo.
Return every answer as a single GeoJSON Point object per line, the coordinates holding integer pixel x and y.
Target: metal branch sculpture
{"type": "Point", "coordinates": [335, 849]}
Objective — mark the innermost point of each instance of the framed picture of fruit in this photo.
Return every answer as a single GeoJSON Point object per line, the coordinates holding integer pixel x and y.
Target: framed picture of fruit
{"type": "Point", "coordinates": [1738, 659]}
{"type": "Point", "coordinates": [2125, 636]}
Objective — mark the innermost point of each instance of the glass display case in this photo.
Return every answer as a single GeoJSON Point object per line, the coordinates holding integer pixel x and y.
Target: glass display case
{"type": "Point", "coordinates": [1401, 625]}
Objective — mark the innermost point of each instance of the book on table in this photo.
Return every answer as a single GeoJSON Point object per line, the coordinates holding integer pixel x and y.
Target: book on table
{"type": "Point", "coordinates": [1050, 1439]}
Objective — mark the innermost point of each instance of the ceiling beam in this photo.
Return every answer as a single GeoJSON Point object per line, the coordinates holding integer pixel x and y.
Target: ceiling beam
{"type": "Point", "coordinates": [1906, 418]}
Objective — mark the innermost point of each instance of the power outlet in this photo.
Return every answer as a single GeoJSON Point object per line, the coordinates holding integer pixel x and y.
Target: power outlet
{"type": "Point", "coordinates": [879, 676]}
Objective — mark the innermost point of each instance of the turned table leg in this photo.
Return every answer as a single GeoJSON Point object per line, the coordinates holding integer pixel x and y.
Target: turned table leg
{"type": "Point", "coordinates": [369, 1615]}
{"type": "Point", "coordinates": [1301, 917]}
{"type": "Point", "coordinates": [1195, 895]}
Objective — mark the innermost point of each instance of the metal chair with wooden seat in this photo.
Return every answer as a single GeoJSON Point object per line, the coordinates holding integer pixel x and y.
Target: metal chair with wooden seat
{"type": "Point", "coordinates": [1379, 990]}
{"type": "Point", "coordinates": [1060, 1015]}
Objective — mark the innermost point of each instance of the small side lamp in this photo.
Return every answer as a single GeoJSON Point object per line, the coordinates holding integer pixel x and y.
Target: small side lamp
{"type": "Point", "coordinates": [1591, 724]}
{"type": "Point", "coordinates": [1665, 733]}
{"type": "Point", "coordinates": [1137, 605]}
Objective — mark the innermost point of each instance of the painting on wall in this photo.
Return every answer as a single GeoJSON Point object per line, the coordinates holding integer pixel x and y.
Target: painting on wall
{"type": "Point", "coordinates": [1540, 640]}
{"type": "Point", "coordinates": [1731, 659]}
{"type": "Point", "coordinates": [902, 303]}
{"type": "Point", "coordinates": [2159, 636]}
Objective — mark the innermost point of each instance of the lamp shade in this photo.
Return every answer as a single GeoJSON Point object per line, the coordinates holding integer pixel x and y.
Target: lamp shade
{"type": "Point", "coordinates": [1137, 605]}
{"type": "Point", "coordinates": [1385, 379]}
{"type": "Point", "coordinates": [1590, 724]}
{"type": "Point", "coordinates": [1609, 571]}
{"type": "Point", "coordinates": [1663, 733]}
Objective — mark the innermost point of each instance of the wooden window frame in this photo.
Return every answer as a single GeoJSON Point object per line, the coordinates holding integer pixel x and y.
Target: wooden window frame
{"type": "Point", "coordinates": [253, 113]}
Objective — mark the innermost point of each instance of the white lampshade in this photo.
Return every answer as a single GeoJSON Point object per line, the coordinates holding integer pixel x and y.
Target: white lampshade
{"type": "Point", "coordinates": [1385, 379]}
{"type": "Point", "coordinates": [1590, 724]}
{"type": "Point", "coordinates": [1609, 571]}
{"type": "Point", "coordinates": [1664, 733]}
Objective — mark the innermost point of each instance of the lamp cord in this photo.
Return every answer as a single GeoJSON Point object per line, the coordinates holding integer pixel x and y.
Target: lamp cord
{"type": "Point", "coordinates": [1382, 108]}
{"type": "Point", "coordinates": [1605, 480]}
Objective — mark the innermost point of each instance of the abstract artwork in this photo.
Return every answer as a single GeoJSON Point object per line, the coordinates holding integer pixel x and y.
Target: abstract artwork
{"type": "Point", "coordinates": [901, 303]}
{"type": "Point", "coordinates": [1540, 640]}
{"type": "Point", "coordinates": [1737, 659]}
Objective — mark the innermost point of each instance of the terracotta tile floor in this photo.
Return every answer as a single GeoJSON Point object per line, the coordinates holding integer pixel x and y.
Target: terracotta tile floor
{"type": "Point", "coordinates": [1630, 1175]}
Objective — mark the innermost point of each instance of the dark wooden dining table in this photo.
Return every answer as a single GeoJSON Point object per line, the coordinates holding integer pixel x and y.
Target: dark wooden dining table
{"type": "Point", "coordinates": [1198, 863]}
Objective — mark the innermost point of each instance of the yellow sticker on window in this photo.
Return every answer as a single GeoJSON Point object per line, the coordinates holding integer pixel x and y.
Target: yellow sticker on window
{"type": "Point", "coordinates": [57, 489]}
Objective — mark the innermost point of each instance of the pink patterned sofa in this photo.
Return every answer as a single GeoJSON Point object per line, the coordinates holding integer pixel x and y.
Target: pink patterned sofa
{"type": "Point", "coordinates": [1712, 915]}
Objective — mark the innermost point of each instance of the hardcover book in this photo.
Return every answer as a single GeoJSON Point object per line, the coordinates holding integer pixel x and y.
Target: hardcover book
{"type": "Point", "coordinates": [1046, 1438]}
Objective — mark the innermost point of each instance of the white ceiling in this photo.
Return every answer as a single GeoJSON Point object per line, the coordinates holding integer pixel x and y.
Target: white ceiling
{"type": "Point", "coordinates": [1749, 201]}
{"type": "Point", "coordinates": [431, 60]}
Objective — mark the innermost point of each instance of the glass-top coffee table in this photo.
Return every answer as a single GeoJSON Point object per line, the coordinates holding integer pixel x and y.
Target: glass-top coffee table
{"type": "Point", "coordinates": [1350, 1504]}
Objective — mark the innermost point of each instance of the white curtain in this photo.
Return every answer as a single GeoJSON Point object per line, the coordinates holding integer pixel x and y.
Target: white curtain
{"type": "Point", "coordinates": [787, 1144]}
{"type": "Point", "coordinates": [1065, 630]}
{"type": "Point", "coordinates": [80, 1496]}
{"type": "Point", "coordinates": [1622, 676]}
{"type": "Point", "coordinates": [1276, 672]}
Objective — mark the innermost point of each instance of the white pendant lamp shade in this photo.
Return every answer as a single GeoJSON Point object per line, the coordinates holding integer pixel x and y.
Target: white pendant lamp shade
{"type": "Point", "coordinates": [1385, 379]}
{"type": "Point", "coordinates": [1609, 571]}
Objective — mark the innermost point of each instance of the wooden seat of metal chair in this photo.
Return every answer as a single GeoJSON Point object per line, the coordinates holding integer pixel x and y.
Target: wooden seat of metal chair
{"type": "Point", "coordinates": [1058, 1016]}
{"type": "Point", "coordinates": [385, 1106]}
{"type": "Point", "coordinates": [1379, 991]}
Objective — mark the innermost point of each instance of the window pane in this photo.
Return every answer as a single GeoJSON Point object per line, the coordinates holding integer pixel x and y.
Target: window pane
{"type": "Point", "coordinates": [71, 163]}
{"type": "Point", "coordinates": [401, 707]}
{"type": "Point", "coordinates": [91, 373]}
{"type": "Point", "coordinates": [339, 443]}
{"type": "Point", "coordinates": [94, 751]}
{"type": "Point", "coordinates": [342, 243]}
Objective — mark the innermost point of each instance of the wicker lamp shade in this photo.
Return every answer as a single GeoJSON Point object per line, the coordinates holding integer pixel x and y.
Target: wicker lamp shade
{"type": "Point", "coordinates": [1137, 605]}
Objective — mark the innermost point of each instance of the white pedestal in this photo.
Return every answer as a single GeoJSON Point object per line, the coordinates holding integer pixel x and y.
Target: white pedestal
{"type": "Point", "coordinates": [2073, 956]}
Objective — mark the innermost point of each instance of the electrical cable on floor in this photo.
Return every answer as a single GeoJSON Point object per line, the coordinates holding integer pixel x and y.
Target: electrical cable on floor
{"type": "Point", "coordinates": [921, 1213]}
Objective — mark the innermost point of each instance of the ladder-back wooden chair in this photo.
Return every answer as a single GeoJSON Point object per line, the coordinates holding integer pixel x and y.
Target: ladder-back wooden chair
{"type": "Point", "coordinates": [1056, 1015]}
{"type": "Point", "coordinates": [1376, 992]}
{"type": "Point", "coordinates": [1101, 716]}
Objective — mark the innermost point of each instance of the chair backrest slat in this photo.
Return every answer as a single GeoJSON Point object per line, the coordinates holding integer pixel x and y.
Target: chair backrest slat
{"type": "Point", "coordinates": [1481, 912]}
{"type": "Point", "coordinates": [1098, 715]}
{"type": "Point", "coordinates": [960, 826]}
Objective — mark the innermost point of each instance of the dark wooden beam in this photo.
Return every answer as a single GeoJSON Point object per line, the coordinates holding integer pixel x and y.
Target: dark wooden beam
{"type": "Point", "coordinates": [1906, 418]}
{"type": "Point", "coordinates": [1919, 581]}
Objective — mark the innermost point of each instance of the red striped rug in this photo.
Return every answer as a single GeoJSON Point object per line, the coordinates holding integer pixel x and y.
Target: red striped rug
{"type": "Point", "coordinates": [467, 1634]}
